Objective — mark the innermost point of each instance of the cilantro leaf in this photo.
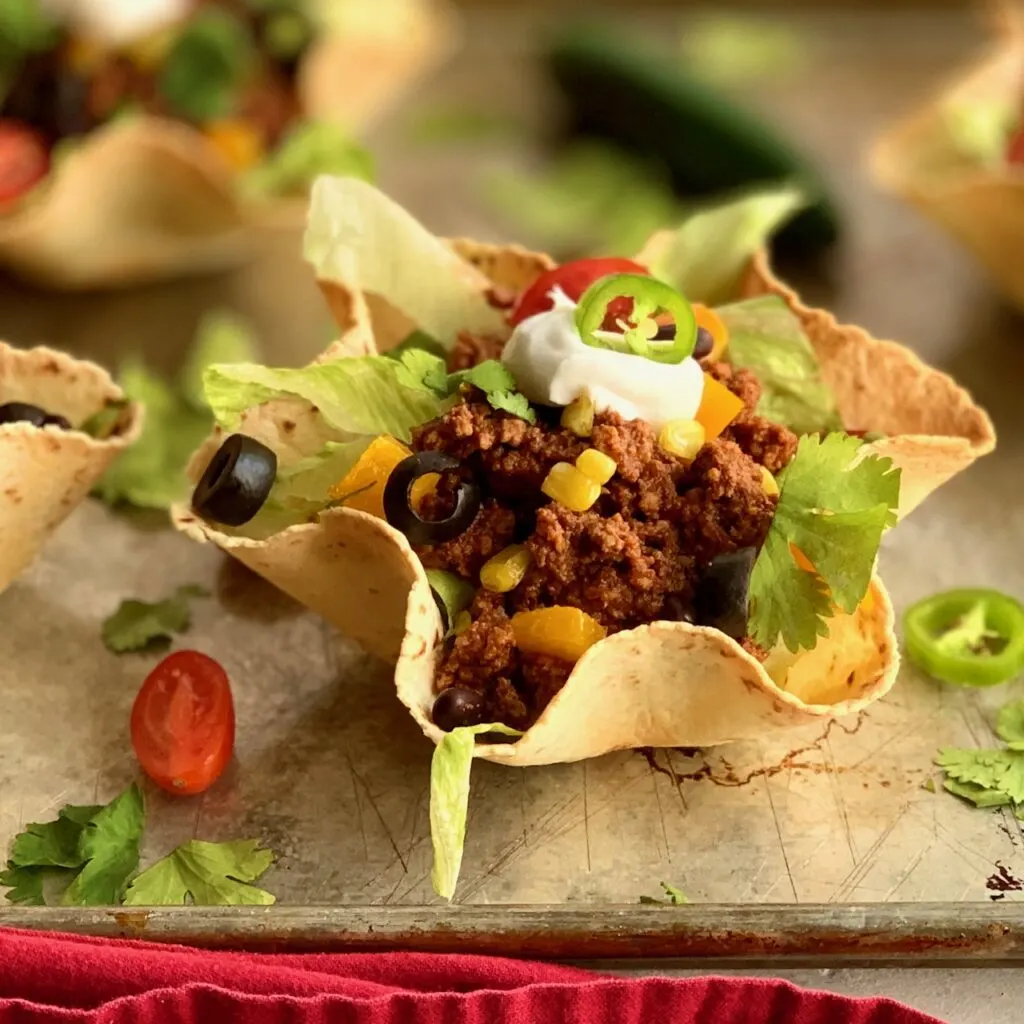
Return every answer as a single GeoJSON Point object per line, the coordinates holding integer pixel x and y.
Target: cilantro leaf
{"type": "Point", "coordinates": [977, 795]}
{"type": "Point", "coordinates": [676, 897]}
{"type": "Point", "coordinates": [25, 885]}
{"type": "Point", "coordinates": [512, 402]}
{"type": "Point", "coordinates": [494, 379]}
{"type": "Point", "coordinates": [138, 624]}
{"type": "Point", "coordinates": [999, 770]}
{"type": "Point", "coordinates": [422, 369]}
{"type": "Point", "coordinates": [1010, 724]}
{"type": "Point", "coordinates": [109, 846]}
{"type": "Point", "coordinates": [53, 843]}
{"type": "Point", "coordinates": [212, 874]}
{"type": "Point", "coordinates": [834, 507]}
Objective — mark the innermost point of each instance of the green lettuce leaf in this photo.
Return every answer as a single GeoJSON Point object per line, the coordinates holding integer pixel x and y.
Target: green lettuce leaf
{"type": "Point", "coordinates": [449, 801]}
{"type": "Point", "coordinates": [304, 484]}
{"type": "Point", "coordinates": [308, 151]}
{"type": "Point", "coordinates": [357, 235]}
{"type": "Point", "coordinates": [456, 594]}
{"type": "Point", "coordinates": [222, 337]}
{"type": "Point", "coordinates": [766, 337]}
{"type": "Point", "coordinates": [705, 257]}
{"type": "Point", "coordinates": [364, 395]}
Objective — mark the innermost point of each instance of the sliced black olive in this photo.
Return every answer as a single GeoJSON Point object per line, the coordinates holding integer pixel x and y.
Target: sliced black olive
{"type": "Point", "coordinates": [398, 501]}
{"type": "Point", "coordinates": [456, 707]}
{"type": "Point", "coordinates": [705, 343]}
{"type": "Point", "coordinates": [23, 412]}
{"type": "Point", "coordinates": [236, 482]}
{"type": "Point", "coordinates": [722, 594]}
{"type": "Point", "coordinates": [57, 420]}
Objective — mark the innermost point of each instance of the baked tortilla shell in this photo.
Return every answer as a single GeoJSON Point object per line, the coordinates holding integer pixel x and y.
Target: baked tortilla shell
{"type": "Point", "coordinates": [668, 683]}
{"type": "Point", "coordinates": [45, 472]}
{"type": "Point", "coordinates": [150, 199]}
{"type": "Point", "coordinates": [981, 207]}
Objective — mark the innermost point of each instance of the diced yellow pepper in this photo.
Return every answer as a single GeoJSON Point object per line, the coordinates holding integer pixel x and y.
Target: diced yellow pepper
{"type": "Point", "coordinates": [362, 487]}
{"type": "Point", "coordinates": [769, 484]}
{"type": "Point", "coordinates": [505, 570]}
{"type": "Point", "coordinates": [561, 632]}
{"type": "Point", "coordinates": [578, 416]}
{"type": "Point", "coordinates": [598, 466]}
{"type": "Point", "coordinates": [682, 437]}
{"type": "Point", "coordinates": [238, 142]}
{"type": "Point", "coordinates": [718, 408]}
{"type": "Point", "coordinates": [571, 488]}
{"type": "Point", "coordinates": [712, 323]}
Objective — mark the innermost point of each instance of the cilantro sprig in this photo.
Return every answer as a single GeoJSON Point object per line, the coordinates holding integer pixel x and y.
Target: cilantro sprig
{"type": "Point", "coordinates": [990, 778]}
{"type": "Point", "coordinates": [674, 896]}
{"type": "Point", "coordinates": [138, 625]}
{"type": "Point", "coordinates": [834, 506]}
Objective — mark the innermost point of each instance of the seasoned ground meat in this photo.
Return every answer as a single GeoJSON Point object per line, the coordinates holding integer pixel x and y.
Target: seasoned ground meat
{"type": "Point", "coordinates": [492, 530]}
{"type": "Point", "coordinates": [543, 677]}
{"type": "Point", "coordinates": [753, 648]}
{"type": "Point", "coordinates": [470, 350]}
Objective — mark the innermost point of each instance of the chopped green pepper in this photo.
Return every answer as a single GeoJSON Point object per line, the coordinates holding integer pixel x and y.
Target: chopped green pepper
{"type": "Point", "coordinates": [969, 637]}
{"type": "Point", "coordinates": [649, 296]}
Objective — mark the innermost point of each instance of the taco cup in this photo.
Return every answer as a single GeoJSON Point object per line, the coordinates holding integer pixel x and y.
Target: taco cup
{"type": "Point", "coordinates": [959, 159]}
{"type": "Point", "coordinates": [119, 136]}
{"type": "Point", "coordinates": [62, 422]}
{"type": "Point", "coordinates": [573, 560]}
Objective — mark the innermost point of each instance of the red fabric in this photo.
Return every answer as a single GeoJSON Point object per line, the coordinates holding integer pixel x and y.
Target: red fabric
{"type": "Point", "coordinates": [73, 980]}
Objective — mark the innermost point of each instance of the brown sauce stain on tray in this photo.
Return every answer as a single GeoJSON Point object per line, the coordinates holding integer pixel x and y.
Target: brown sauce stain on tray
{"type": "Point", "coordinates": [1002, 881]}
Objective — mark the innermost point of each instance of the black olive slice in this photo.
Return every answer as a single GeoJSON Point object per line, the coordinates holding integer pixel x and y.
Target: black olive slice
{"type": "Point", "coordinates": [22, 412]}
{"type": "Point", "coordinates": [236, 482]}
{"type": "Point", "coordinates": [57, 420]}
{"type": "Point", "coordinates": [722, 594]}
{"type": "Point", "coordinates": [458, 706]}
{"type": "Point", "coordinates": [398, 501]}
{"type": "Point", "coordinates": [705, 343]}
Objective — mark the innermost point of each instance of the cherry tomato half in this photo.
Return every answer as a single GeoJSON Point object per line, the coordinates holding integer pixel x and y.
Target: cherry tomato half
{"type": "Point", "coordinates": [24, 161]}
{"type": "Point", "coordinates": [183, 723]}
{"type": "Point", "coordinates": [574, 279]}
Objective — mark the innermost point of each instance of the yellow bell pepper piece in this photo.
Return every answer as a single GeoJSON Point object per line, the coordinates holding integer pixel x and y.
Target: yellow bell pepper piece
{"type": "Point", "coordinates": [718, 408]}
{"type": "Point", "coordinates": [239, 143]}
{"type": "Point", "coordinates": [362, 487]}
{"type": "Point", "coordinates": [560, 631]}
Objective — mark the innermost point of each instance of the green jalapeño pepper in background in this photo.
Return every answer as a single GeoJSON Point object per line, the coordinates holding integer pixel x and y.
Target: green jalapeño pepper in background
{"type": "Point", "coordinates": [969, 637]}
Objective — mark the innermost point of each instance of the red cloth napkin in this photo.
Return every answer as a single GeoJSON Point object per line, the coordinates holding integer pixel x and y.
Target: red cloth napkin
{"type": "Point", "coordinates": [75, 980]}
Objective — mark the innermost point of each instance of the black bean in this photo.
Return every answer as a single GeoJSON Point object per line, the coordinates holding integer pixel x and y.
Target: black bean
{"type": "Point", "coordinates": [398, 500]}
{"type": "Point", "coordinates": [237, 481]}
{"type": "Point", "coordinates": [705, 343]}
{"type": "Point", "coordinates": [458, 706]}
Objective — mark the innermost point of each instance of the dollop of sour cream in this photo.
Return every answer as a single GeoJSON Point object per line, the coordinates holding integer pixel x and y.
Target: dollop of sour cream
{"type": "Point", "coordinates": [552, 366]}
{"type": "Point", "coordinates": [117, 22]}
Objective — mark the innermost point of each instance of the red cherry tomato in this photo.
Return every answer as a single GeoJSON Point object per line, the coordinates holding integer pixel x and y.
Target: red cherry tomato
{"type": "Point", "coordinates": [24, 161]}
{"type": "Point", "coordinates": [1015, 150]}
{"type": "Point", "coordinates": [183, 723]}
{"type": "Point", "coordinates": [574, 279]}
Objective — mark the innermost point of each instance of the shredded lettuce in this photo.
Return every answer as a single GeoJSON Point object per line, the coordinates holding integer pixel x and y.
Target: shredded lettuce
{"type": "Point", "coordinates": [456, 594]}
{"type": "Point", "coordinates": [358, 236]}
{"type": "Point", "coordinates": [765, 336]}
{"type": "Point", "coordinates": [222, 337]}
{"type": "Point", "coordinates": [360, 396]}
{"type": "Point", "coordinates": [705, 257]}
{"type": "Point", "coordinates": [309, 480]}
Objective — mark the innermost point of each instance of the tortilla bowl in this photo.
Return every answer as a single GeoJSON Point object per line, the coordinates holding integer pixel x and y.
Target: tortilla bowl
{"type": "Point", "coordinates": [149, 199]}
{"type": "Point", "coordinates": [650, 686]}
{"type": "Point", "coordinates": [981, 207]}
{"type": "Point", "coordinates": [45, 472]}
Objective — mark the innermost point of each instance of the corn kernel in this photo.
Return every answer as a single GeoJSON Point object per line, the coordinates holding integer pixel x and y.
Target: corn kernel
{"type": "Point", "coordinates": [505, 570]}
{"type": "Point", "coordinates": [769, 484]}
{"type": "Point", "coordinates": [239, 143]}
{"type": "Point", "coordinates": [682, 437]}
{"type": "Point", "coordinates": [560, 631]}
{"type": "Point", "coordinates": [598, 466]}
{"type": "Point", "coordinates": [578, 416]}
{"type": "Point", "coordinates": [362, 487]}
{"type": "Point", "coordinates": [463, 620]}
{"type": "Point", "coordinates": [571, 488]}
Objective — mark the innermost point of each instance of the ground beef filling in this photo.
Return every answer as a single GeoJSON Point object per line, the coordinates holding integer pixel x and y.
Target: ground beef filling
{"type": "Point", "coordinates": [634, 557]}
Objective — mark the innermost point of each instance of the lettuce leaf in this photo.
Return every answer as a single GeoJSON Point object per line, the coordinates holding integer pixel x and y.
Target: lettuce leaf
{"type": "Point", "coordinates": [705, 257]}
{"type": "Point", "coordinates": [309, 480]}
{"type": "Point", "coordinates": [765, 336]}
{"type": "Point", "coordinates": [222, 337]}
{"type": "Point", "coordinates": [357, 235]}
{"type": "Point", "coordinates": [365, 395]}
{"type": "Point", "coordinates": [449, 801]}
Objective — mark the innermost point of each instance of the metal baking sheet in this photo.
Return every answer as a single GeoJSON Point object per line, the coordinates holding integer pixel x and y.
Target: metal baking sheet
{"type": "Point", "coordinates": [822, 842]}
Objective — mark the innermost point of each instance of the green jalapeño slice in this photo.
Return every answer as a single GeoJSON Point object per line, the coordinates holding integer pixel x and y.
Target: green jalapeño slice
{"type": "Point", "coordinates": [650, 298]}
{"type": "Point", "coordinates": [970, 637]}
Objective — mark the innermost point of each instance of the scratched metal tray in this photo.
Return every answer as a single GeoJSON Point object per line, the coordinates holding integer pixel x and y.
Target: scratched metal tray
{"type": "Point", "coordinates": [823, 844]}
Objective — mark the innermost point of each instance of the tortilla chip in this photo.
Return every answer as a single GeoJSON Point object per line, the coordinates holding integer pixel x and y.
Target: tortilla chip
{"type": "Point", "coordinates": [982, 207]}
{"type": "Point", "coordinates": [161, 200]}
{"type": "Point", "coordinates": [46, 472]}
{"type": "Point", "coordinates": [666, 684]}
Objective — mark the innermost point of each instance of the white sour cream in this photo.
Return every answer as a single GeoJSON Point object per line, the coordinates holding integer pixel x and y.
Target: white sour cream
{"type": "Point", "coordinates": [552, 366]}
{"type": "Point", "coordinates": [117, 22]}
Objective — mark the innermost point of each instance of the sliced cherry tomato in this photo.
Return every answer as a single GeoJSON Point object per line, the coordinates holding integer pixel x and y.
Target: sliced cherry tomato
{"type": "Point", "coordinates": [183, 723]}
{"type": "Point", "coordinates": [1015, 150]}
{"type": "Point", "coordinates": [24, 161]}
{"type": "Point", "coordinates": [574, 279]}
